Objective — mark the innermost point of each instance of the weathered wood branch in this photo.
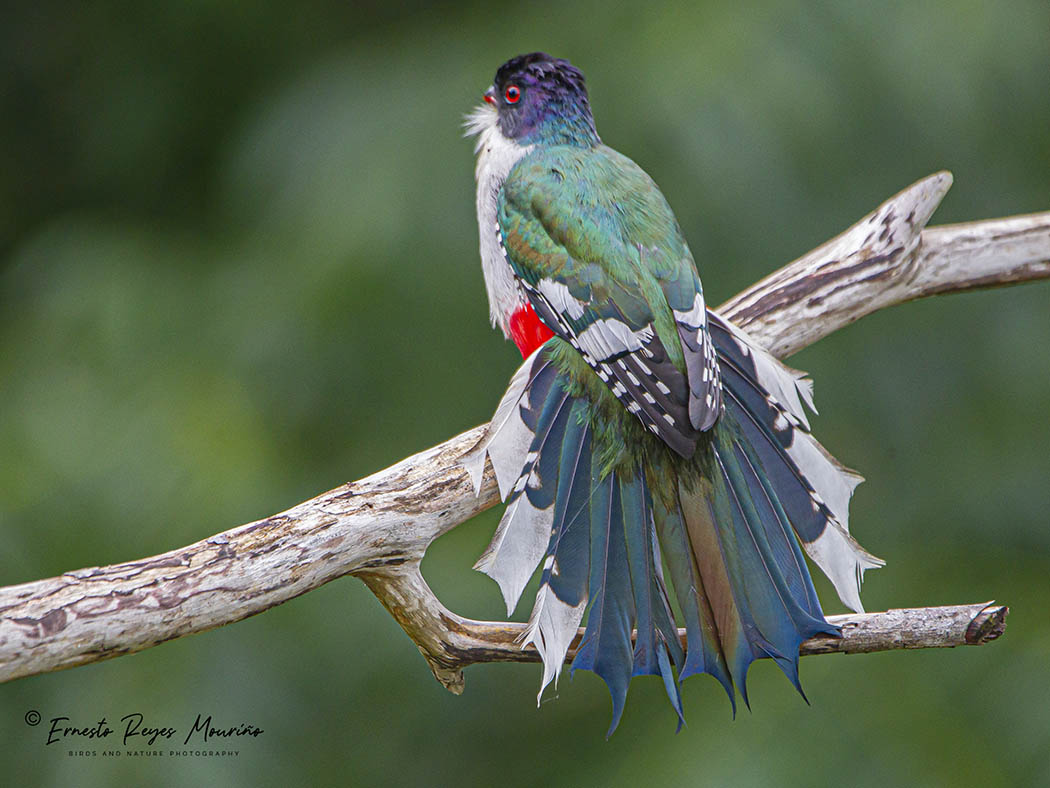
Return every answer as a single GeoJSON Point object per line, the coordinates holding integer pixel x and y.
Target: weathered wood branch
{"type": "Point", "coordinates": [378, 528]}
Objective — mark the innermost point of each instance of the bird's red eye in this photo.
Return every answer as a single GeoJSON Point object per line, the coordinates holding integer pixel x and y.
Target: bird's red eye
{"type": "Point", "coordinates": [512, 94]}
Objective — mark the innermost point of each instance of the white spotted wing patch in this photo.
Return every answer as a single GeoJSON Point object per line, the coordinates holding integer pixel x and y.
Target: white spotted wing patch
{"type": "Point", "coordinates": [651, 387]}
{"type": "Point", "coordinates": [643, 378]}
{"type": "Point", "coordinates": [610, 338]}
{"type": "Point", "coordinates": [705, 384]}
{"type": "Point", "coordinates": [631, 362]}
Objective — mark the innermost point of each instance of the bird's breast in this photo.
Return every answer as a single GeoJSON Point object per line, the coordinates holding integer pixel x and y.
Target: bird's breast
{"type": "Point", "coordinates": [497, 155]}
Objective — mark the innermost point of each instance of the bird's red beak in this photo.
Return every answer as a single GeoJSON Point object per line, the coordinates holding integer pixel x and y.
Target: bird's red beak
{"type": "Point", "coordinates": [490, 96]}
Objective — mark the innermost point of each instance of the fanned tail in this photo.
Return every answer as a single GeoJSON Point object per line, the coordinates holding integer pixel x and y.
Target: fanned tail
{"type": "Point", "coordinates": [727, 525]}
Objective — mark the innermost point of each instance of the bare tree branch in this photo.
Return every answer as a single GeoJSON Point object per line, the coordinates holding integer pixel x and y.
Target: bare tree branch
{"type": "Point", "coordinates": [378, 528]}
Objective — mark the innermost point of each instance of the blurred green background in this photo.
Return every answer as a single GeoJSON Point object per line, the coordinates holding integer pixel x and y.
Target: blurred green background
{"type": "Point", "coordinates": [238, 266]}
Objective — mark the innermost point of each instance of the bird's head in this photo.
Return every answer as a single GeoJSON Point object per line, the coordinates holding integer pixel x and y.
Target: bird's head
{"type": "Point", "coordinates": [539, 99]}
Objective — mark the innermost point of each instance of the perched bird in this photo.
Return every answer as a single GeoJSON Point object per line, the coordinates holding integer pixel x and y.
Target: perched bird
{"type": "Point", "coordinates": [645, 437]}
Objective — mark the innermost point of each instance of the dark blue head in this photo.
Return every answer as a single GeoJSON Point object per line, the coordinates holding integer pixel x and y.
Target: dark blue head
{"type": "Point", "coordinates": [542, 99]}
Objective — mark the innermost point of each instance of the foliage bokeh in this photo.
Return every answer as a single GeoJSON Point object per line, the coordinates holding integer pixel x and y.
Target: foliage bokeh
{"type": "Point", "coordinates": [238, 266]}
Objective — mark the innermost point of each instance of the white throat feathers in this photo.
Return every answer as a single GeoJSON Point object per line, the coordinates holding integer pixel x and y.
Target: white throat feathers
{"type": "Point", "coordinates": [496, 156]}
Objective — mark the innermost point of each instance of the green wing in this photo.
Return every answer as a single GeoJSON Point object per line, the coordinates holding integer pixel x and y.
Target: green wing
{"type": "Point", "coordinates": [603, 262]}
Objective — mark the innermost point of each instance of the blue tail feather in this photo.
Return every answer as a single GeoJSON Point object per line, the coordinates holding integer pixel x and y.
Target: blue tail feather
{"type": "Point", "coordinates": [550, 432]}
{"type": "Point", "coordinates": [655, 626]}
{"type": "Point", "coordinates": [779, 530]}
{"type": "Point", "coordinates": [726, 569]}
{"type": "Point", "coordinates": [568, 548]}
{"type": "Point", "coordinates": [763, 584]}
{"type": "Point", "coordinates": [562, 596]}
{"type": "Point", "coordinates": [744, 402]}
{"type": "Point", "coordinates": [703, 649]}
{"type": "Point", "coordinates": [640, 565]}
{"type": "Point", "coordinates": [606, 645]}
{"type": "Point", "coordinates": [785, 566]}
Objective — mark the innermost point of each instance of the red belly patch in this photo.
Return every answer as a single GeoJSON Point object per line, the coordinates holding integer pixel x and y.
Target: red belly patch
{"type": "Point", "coordinates": [527, 330]}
